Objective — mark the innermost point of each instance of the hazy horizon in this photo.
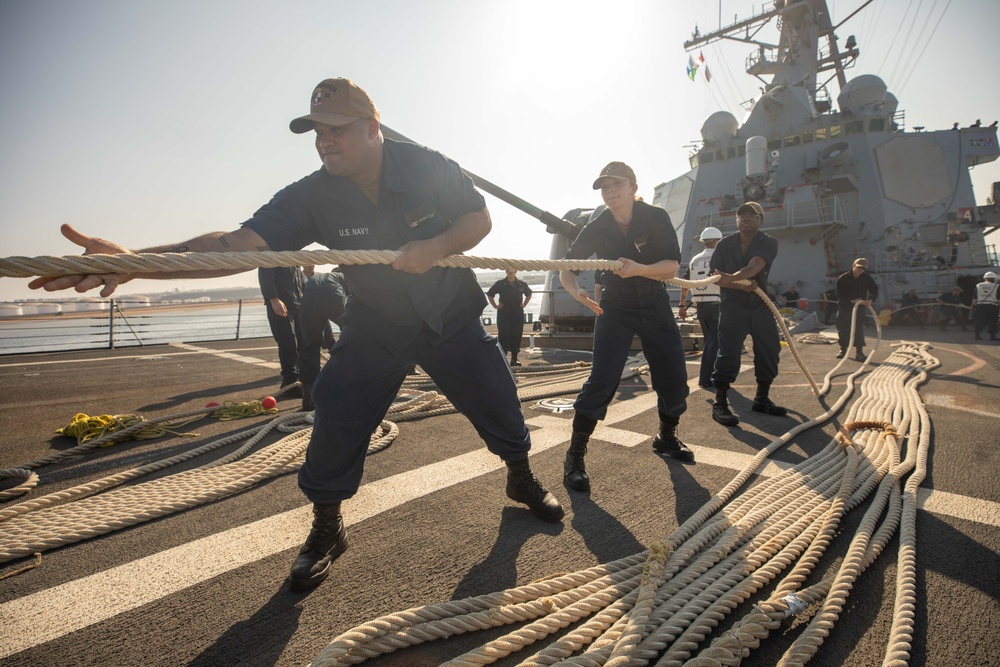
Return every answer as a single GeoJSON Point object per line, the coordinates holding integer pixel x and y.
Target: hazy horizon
{"type": "Point", "coordinates": [154, 122]}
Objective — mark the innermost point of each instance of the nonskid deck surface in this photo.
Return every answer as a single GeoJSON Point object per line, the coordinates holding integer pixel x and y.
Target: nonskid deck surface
{"type": "Point", "coordinates": [431, 523]}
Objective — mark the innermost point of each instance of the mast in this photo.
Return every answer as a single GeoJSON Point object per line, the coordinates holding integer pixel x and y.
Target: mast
{"type": "Point", "coordinates": [797, 59]}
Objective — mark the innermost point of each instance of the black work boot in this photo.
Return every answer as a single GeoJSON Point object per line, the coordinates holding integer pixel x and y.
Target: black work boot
{"type": "Point", "coordinates": [761, 402]}
{"type": "Point", "coordinates": [326, 541]}
{"type": "Point", "coordinates": [574, 473]}
{"type": "Point", "coordinates": [666, 441]}
{"type": "Point", "coordinates": [524, 487]}
{"type": "Point", "coordinates": [307, 398]}
{"type": "Point", "coordinates": [720, 409]}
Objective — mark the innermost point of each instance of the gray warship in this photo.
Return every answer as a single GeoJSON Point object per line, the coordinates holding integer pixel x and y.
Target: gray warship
{"type": "Point", "coordinates": [836, 181]}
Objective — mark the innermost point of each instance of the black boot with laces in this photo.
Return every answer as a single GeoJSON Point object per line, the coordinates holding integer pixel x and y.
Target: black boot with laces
{"type": "Point", "coordinates": [524, 487]}
{"type": "Point", "coordinates": [574, 471]}
{"type": "Point", "coordinates": [666, 441]}
{"type": "Point", "coordinates": [326, 541]}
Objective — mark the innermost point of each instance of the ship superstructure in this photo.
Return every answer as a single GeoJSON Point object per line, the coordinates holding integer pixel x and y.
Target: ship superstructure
{"type": "Point", "coordinates": [837, 181]}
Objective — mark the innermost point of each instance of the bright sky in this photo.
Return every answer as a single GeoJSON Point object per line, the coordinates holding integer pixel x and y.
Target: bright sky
{"type": "Point", "coordinates": [154, 122]}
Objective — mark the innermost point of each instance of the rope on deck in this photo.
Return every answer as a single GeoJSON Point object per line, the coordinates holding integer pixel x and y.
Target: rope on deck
{"type": "Point", "coordinates": [659, 605]}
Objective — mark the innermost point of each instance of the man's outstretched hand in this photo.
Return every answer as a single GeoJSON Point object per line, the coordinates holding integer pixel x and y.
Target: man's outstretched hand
{"type": "Point", "coordinates": [91, 245]}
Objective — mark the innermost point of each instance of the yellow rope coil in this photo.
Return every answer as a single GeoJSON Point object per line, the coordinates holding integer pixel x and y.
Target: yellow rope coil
{"type": "Point", "coordinates": [232, 410]}
{"type": "Point", "coordinates": [85, 428]}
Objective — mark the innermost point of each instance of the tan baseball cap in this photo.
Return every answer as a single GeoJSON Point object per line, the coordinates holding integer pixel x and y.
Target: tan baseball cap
{"type": "Point", "coordinates": [335, 102]}
{"type": "Point", "coordinates": [860, 261]}
{"type": "Point", "coordinates": [751, 207]}
{"type": "Point", "coordinates": [618, 170]}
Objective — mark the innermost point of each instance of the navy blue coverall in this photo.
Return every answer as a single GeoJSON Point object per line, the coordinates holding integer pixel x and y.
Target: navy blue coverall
{"type": "Point", "coordinates": [394, 319]}
{"type": "Point", "coordinates": [633, 306]}
{"type": "Point", "coordinates": [510, 318]}
{"type": "Point", "coordinates": [285, 283]}
{"type": "Point", "coordinates": [324, 300]}
{"type": "Point", "coordinates": [743, 314]}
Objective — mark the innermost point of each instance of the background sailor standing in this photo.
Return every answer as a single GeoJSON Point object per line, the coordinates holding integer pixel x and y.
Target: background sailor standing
{"type": "Point", "coordinates": [633, 302]}
{"type": "Point", "coordinates": [986, 306]}
{"type": "Point", "coordinates": [514, 295]}
{"type": "Point", "coordinates": [282, 290]}
{"type": "Point", "coordinates": [746, 255]}
{"type": "Point", "coordinates": [706, 302]}
{"type": "Point", "coordinates": [853, 286]}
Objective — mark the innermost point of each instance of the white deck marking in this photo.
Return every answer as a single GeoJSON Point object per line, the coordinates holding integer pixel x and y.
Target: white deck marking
{"type": "Point", "coordinates": [53, 613]}
{"type": "Point", "coordinates": [253, 361]}
{"type": "Point", "coordinates": [104, 359]}
{"type": "Point", "coordinates": [945, 401]}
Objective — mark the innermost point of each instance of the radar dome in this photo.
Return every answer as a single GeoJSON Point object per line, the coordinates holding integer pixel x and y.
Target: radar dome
{"type": "Point", "coordinates": [890, 105]}
{"type": "Point", "coordinates": [720, 125]}
{"type": "Point", "coordinates": [862, 92]}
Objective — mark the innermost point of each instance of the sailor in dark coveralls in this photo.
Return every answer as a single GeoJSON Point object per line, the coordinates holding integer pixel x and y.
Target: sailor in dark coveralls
{"type": "Point", "coordinates": [634, 301]}
{"type": "Point", "coordinates": [853, 286]}
{"type": "Point", "coordinates": [282, 288]}
{"type": "Point", "coordinates": [374, 193]}
{"type": "Point", "coordinates": [747, 254]}
{"type": "Point", "coordinates": [324, 300]}
{"type": "Point", "coordinates": [513, 295]}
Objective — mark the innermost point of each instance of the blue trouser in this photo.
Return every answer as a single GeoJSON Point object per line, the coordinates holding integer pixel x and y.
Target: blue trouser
{"type": "Point", "coordinates": [648, 315]}
{"type": "Point", "coordinates": [736, 322]}
{"type": "Point", "coordinates": [510, 329]}
{"type": "Point", "coordinates": [286, 334]}
{"type": "Point", "coordinates": [323, 300]}
{"type": "Point", "coordinates": [985, 317]}
{"type": "Point", "coordinates": [708, 318]}
{"type": "Point", "coordinates": [357, 386]}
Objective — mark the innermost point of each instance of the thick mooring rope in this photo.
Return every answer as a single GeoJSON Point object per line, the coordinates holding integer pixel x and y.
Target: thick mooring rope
{"type": "Point", "coordinates": [99, 507]}
{"type": "Point", "coordinates": [660, 604]}
{"type": "Point", "coordinates": [22, 267]}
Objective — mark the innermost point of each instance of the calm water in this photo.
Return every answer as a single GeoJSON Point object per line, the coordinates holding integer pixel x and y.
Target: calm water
{"type": "Point", "coordinates": [173, 324]}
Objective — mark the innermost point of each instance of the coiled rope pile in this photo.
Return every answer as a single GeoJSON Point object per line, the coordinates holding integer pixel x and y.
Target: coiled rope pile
{"type": "Point", "coordinates": [658, 604]}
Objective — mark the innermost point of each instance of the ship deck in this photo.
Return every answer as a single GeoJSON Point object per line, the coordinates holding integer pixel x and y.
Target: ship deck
{"type": "Point", "coordinates": [207, 586]}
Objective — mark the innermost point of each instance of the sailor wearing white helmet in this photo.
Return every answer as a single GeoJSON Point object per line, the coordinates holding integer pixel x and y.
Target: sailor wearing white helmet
{"type": "Point", "coordinates": [986, 307]}
{"type": "Point", "coordinates": [706, 301]}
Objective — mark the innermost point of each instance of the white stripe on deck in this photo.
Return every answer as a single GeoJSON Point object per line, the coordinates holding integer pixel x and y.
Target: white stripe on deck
{"type": "Point", "coordinates": [222, 354]}
{"type": "Point", "coordinates": [102, 358]}
{"type": "Point", "coordinates": [53, 613]}
{"type": "Point", "coordinates": [945, 401]}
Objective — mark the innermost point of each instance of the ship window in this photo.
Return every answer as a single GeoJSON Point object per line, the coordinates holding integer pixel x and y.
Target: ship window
{"type": "Point", "coordinates": [834, 131]}
{"type": "Point", "coordinates": [876, 125]}
{"type": "Point", "coordinates": [774, 144]}
{"type": "Point", "coordinates": [793, 140]}
{"type": "Point", "coordinates": [705, 157]}
{"type": "Point", "coordinates": [742, 150]}
{"type": "Point", "coordinates": [719, 155]}
{"type": "Point", "coordinates": [854, 127]}
{"type": "Point", "coordinates": [821, 134]}
{"type": "Point", "coordinates": [807, 137]}
{"type": "Point", "coordinates": [730, 152]}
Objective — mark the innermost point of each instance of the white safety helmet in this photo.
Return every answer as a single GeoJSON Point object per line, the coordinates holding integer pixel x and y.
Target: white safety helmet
{"type": "Point", "coordinates": [989, 275]}
{"type": "Point", "coordinates": [710, 234]}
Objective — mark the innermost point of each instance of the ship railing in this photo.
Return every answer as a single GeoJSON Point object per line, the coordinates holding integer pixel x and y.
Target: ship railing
{"type": "Point", "coordinates": [829, 214]}
{"type": "Point", "coordinates": [128, 323]}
